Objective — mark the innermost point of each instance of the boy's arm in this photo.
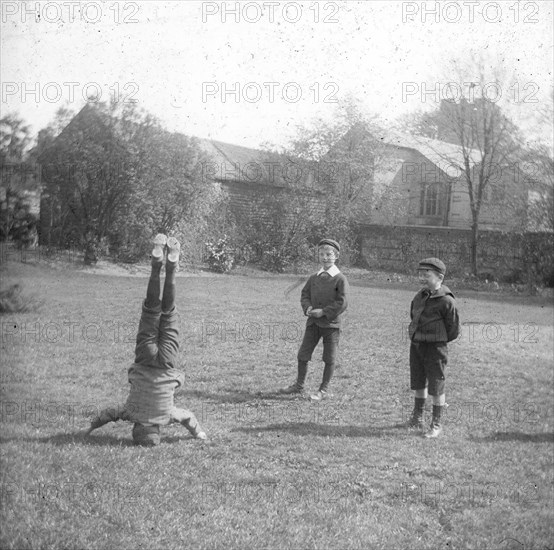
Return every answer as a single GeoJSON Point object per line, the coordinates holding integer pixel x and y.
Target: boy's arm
{"type": "Point", "coordinates": [451, 320]}
{"type": "Point", "coordinates": [188, 420]}
{"type": "Point", "coordinates": [306, 297]}
{"type": "Point", "coordinates": [335, 308]}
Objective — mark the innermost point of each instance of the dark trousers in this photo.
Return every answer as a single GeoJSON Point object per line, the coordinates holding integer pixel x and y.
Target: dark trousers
{"type": "Point", "coordinates": [158, 338]}
{"type": "Point", "coordinates": [312, 336]}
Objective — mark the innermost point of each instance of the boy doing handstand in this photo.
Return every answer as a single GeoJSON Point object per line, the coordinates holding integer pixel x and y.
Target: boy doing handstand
{"type": "Point", "coordinates": [153, 377]}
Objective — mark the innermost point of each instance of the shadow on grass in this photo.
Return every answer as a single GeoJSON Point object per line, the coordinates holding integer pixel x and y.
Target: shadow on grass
{"type": "Point", "coordinates": [463, 290]}
{"type": "Point", "coordinates": [304, 428]}
{"type": "Point", "coordinates": [96, 439]}
{"type": "Point", "coordinates": [239, 396]}
{"type": "Point", "coordinates": [517, 436]}
{"type": "Point", "coordinates": [64, 439]}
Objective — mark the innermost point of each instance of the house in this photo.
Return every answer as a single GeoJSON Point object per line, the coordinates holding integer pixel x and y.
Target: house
{"type": "Point", "coordinates": [420, 206]}
{"type": "Point", "coordinates": [418, 181]}
{"type": "Point", "coordinates": [249, 175]}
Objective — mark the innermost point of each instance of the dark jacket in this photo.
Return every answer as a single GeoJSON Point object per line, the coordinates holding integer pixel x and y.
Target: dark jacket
{"type": "Point", "coordinates": [434, 318]}
{"type": "Point", "coordinates": [328, 294]}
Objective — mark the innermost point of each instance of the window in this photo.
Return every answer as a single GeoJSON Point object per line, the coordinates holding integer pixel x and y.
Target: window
{"type": "Point", "coordinates": [430, 203]}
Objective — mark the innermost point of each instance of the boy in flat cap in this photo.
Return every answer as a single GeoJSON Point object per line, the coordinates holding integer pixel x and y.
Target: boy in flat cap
{"type": "Point", "coordinates": [153, 377]}
{"type": "Point", "coordinates": [434, 322]}
{"type": "Point", "coordinates": [323, 300]}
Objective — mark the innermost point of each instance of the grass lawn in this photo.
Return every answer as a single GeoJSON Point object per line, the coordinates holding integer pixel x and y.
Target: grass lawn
{"type": "Point", "coordinates": [276, 472]}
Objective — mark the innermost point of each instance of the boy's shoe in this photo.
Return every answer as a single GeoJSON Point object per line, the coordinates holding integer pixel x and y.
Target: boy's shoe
{"type": "Point", "coordinates": [160, 240]}
{"type": "Point", "coordinates": [173, 250]}
{"type": "Point", "coordinates": [434, 431]}
{"type": "Point", "coordinates": [416, 421]}
{"type": "Point", "coordinates": [319, 395]}
{"type": "Point", "coordinates": [293, 388]}
{"type": "Point", "coordinates": [201, 435]}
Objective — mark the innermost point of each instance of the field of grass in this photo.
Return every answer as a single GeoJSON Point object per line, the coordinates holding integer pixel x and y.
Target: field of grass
{"type": "Point", "coordinates": [276, 472]}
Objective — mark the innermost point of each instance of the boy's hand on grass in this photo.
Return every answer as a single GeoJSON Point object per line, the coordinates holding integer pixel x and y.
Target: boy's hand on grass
{"type": "Point", "coordinates": [316, 313]}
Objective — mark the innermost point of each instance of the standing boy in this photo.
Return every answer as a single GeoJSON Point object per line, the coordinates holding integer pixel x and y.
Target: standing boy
{"type": "Point", "coordinates": [434, 322]}
{"type": "Point", "coordinates": [323, 300]}
{"type": "Point", "coordinates": [153, 376]}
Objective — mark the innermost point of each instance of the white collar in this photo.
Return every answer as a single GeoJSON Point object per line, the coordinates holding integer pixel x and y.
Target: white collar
{"type": "Point", "coordinates": [333, 270]}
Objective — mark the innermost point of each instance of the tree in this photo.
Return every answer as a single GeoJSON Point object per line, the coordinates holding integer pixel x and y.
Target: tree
{"type": "Point", "coordinates": [114, 177]}
{"type": "Point", "coordinates": [88, 172]}
{"type": "Point", "coordinates": [171, 192]}
{"type": "Point", "coordinates": [18, 180]}
{"type": "Point", "coordinates": [537, 162]}
{"type": "Point", "coordinates": [342, 155]}
{"type": "Point", "coordinates": [488, 142]}
{"type": "Point", "coordinates": [421, 123]}
{"type": "Point", "coordinates": [17, 222]}
{"type": "Point", "coordinates": [14, 139]}
{"type": "Point", "coordinates": [538, 159]}
{"type": "Point", "coordinates": [278, 228]}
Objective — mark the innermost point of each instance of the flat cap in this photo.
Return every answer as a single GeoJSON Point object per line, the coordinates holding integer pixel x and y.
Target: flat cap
{"type": "Point", "coordinates": [330, 242]}
{"type": "Point", "coordinates": [433, 263]}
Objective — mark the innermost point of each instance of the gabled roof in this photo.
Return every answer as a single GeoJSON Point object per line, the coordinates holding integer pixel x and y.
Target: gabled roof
{"type": "Point", "coordinates": [236, 163]}
{"type": "Point", "coordinates": [89, 121]}
{"type": "Point", "coordinates": [438, 152]}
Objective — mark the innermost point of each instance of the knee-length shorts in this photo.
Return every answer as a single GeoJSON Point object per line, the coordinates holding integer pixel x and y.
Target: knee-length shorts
{"type": "Point", "coordinates": [427, 366]}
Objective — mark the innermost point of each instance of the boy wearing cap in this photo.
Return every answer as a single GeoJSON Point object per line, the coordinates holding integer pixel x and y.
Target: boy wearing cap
{"type": "Point", "coordinates": [323, 300]}
{"type": "Point", "coordinates": [153, 376]}
{"type": "Point", "coordinates": [434, 322]}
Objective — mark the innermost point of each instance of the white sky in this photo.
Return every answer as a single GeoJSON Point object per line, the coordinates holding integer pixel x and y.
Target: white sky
{"type": "Point", "coordinates": [163, 53]}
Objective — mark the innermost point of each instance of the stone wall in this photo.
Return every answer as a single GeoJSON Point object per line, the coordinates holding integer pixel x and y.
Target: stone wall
{"type": "Point", "coordinates": [504, 255]}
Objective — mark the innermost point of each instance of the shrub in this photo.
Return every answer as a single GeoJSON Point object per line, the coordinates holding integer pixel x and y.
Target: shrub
{"type": "Point", "coordinates": [18, 223]}
{"type": "Point", "coordinates": [220, 256]}
{"type": "Point", "coordinates": [539, 259]}
{"type": "Point", "coordinates": [513, 277]}
{"type": "Point", "coordinates": [277, 259]}
{"type": "Point", "coordinates": [12, 300]}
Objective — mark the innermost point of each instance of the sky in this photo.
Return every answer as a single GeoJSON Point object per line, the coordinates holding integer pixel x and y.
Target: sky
{"type": "Point", "coordinates": [252, 72]}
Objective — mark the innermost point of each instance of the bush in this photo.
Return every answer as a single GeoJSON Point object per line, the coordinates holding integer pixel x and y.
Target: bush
{"type": "Point", "coordinates": [539, 259]}
{"type": "Point", "coordinates": [277, 260]}
{"type": "Point", "coordinates": [549, 278]}
{"type": "Point", "coordinates": [13, 301]}
{"type": "Point", "coordinates": [220, 256]}
{"type": "Point", "coordinates": [512, 277]}
{"type": "Point", "coordinates": [133, 253]}
{"type": "Point", "coordinates": [18, 223]}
